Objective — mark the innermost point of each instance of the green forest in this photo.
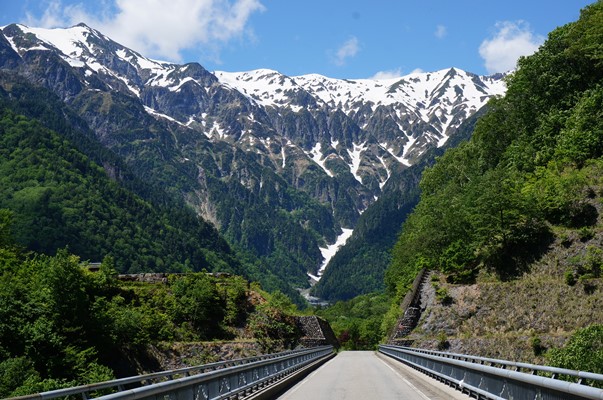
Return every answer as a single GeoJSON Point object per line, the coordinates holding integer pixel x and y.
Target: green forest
{"type": "Point", "coordinates": [62, 325]}
{"type": "Point", "coordinates": [60, 198]}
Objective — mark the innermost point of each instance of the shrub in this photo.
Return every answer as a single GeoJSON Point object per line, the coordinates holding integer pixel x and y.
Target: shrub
{"type": "Point", "coordinates": [13, 374]}
{"type": "Point", "coordinates": [537, 346]}
{"type": "Point", "coordinates": [570, 279]}
{"type": "Point", "coordinates": [443, 343]}
{"type": "Point", "coordinates": [272, 328]}
{"type": "Point", "coordinates": [582, 352]}
{"type": "Point", "coordinates": [442, 295]}
{"type": "Point", "coordinates": [586, 233]}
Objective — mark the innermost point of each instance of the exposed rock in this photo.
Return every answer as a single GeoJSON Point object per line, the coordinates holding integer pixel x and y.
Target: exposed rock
{"type": "Point", "coordinates": [316, 332]}
{"type": "Point", "coordinates": [503, 319]}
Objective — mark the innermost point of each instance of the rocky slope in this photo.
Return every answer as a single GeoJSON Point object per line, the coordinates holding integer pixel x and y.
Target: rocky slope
{"type": "Point", "coordinates": [519, 319]}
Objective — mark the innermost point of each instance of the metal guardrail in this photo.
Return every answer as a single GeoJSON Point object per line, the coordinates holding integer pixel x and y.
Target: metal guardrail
{"type": "Point", "coordinates": [261, 368]}
{"type": "Point", "coordinates": [489, 378]}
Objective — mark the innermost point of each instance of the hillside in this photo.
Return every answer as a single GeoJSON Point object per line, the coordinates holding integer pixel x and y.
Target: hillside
{"type": "Point", "coordinates": [92, 192]}
{"type": "Point", "coordinates": [359, 266]}
{"type": "Point", "coordinates": [511, 320]}
{"type": "Point", "coordinates": [59, 197]}
{"type": "Point", "coordinates": [515, 212]}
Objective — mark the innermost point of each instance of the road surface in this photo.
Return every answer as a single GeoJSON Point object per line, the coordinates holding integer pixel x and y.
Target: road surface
{"type": "Point", "coordinates": [367, 375]}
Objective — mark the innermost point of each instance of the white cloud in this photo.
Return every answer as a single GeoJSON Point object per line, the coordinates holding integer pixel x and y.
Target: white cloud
{"type": "Point", "coordinates": [349, 49]}
{"type": "Point", "coordinates": [390, 74]}
{"type": "Point", "coordinates": [511, 41]}
{"type": "Point", "coordinates": [417, 71]}
{"type": "Point", "coordinates": [160, 28]}
{"type": "Point", "coordinates": [440, 32]}
{"type": "Point", "coordinates": [53, 16]}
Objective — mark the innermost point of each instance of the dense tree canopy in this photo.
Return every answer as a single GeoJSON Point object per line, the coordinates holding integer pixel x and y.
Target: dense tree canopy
{"type": "Point", "coordinates": [62, 325]}
{"type": "Point", "coordinates": [59, 198]}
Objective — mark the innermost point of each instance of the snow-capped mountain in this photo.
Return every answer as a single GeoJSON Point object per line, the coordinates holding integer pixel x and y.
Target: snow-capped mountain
{"type": "Point", "coordinates": [435, 102]}
{"type": "Point", "coordinates": [404, 115]}
{"type": "Point", "coordinates": [320, 150]}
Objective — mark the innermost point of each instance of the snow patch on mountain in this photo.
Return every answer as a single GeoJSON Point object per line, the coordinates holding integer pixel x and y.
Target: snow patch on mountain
{"type": "Point", "coordinates": [263, 86]}
{"type": "Point", "coordinates": [319, 158]}
{"type": "Point", "coordinates": [356, 156]}
{"type": "Point", "coordinates": [71, 41]}
{"type": "Point", "coordinates": [389, 174]}
{"type": "Point", "coordinates": [160, 115]}
{"type": "Point", "coordinates": [330, 251]}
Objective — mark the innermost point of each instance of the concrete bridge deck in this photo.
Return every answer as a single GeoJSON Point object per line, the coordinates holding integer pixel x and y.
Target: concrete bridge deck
{"type": "Point", "coordinates": [369, 375]}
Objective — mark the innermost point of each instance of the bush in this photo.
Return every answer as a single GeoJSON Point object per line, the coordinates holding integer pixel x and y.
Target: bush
{"type": "Point", "coordinates": [537, 346]}
{"type": "Point", "coordinates": [13, 374]}
{"type": "Point", "coordinates": [442, 295]}
{"type": "Point", "coordinates": [456, 262]}
{"type": "Point", "coordinates": [570, 279]}
{"type": "Point", "coordinates": [443, 343]}
{"type": "Point", "coordinates": [586, 233]}
{"type": "Point", "coordinates": [582, 352]}
{"type": "Point", "coordinates": [273, 328]}
{"type": "Point", "coordinates": [198, 303]}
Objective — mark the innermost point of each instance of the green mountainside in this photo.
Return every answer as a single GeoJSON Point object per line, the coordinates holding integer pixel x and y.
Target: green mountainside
{"type": "Point", "coordinates": [59, 198]}
{"type": "Point", "coordinates": [66, 189]}
{"type": "Point", "coordinates": [532, 164]}
{"type": "Point", "coordinates": [515, 212]}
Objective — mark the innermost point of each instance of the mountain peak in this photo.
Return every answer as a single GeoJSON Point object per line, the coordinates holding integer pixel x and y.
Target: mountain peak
{"type": "Point", "coordinates": [359, 128]}
{"type": "Point", "coordinates": [308, 151]}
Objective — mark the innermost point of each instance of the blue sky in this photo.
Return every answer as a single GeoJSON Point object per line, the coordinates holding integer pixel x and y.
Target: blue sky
{"type": "Point", "coordinates": [335, 38]}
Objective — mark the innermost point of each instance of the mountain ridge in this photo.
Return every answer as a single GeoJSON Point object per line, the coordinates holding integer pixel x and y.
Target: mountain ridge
{"type": "Point", "coordinates": [418, 93]}
{"type": "Point", "coordinates": [310, 155]}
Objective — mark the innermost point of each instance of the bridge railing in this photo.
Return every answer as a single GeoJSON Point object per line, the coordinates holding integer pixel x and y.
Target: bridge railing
{"type": "Point", "coordinates": [225, 377]}
{"type": "Point", "coordinates": [489, 378]}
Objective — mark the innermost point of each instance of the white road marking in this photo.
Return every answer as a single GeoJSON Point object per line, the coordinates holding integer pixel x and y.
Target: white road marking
{"type": "Point", "coordinates": [307, 378]}
{"type": "Point", "coordinates": [405, 380]}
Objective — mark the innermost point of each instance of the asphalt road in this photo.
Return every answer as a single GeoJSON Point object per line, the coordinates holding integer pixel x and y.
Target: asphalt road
{"type": "Point", "coordinates": [366, 375]}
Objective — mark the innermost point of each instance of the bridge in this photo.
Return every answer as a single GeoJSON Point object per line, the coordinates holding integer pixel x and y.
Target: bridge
{"type": "Point", "coordinates": [369, 375]}
{"type": "Point", "coordinates": [394, 372]}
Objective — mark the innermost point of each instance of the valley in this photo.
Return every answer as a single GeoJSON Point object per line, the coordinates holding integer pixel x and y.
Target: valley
{"type": "Point", "coordinates": [255, 150]}
{"type": "Point", "coordinates": [263, 200]}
